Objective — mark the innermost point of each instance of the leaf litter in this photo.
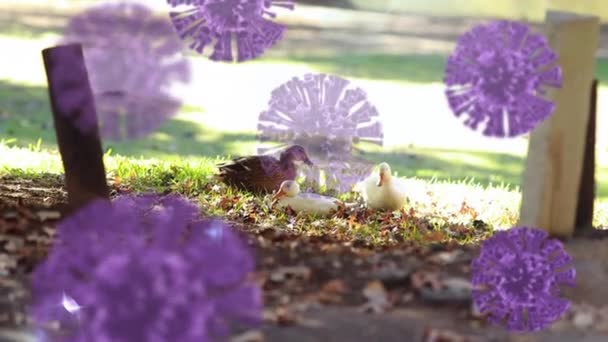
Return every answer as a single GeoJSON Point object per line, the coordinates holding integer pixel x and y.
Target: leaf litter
{"type": "Point", "coordinates": [303, 262]}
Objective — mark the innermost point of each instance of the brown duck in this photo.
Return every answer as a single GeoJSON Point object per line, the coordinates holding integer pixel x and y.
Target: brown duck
{"type": "Point", "coordinates": [263, 174]}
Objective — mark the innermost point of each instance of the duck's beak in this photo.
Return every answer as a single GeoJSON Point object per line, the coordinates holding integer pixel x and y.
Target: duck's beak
{"type": "Point", "coordinates": [277, 196]}
{"type": "Point", "coordinates": [308, 162]}
{"type": "Point", "coordinates": [381, 179]}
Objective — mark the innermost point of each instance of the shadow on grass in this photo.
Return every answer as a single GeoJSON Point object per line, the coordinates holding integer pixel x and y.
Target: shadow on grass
{"type": "Point", "coordinates": [32, 22]}
{"type": "Point", "coordinates": [179, 137]}
{"type": "Point", "coordinates": [25, 114]}
{"type": "Point", "coordinates": [410, 68]}
{"type": "Point", "coordinates": [26, 117]}
{"type": "Point", "coordinates": [601, 70]}
{"type": "Point", "coordinates": [419, 68]}
{"type": "Point", "coordinates": [601, 177]}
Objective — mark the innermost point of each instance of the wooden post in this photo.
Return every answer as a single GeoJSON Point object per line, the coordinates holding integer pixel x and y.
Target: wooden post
{"type": "Point", "coordinates": [586, 195]}
{"type": "Point", "coordinates": [554, 165]}
{"type": "Point", "coordinates": [75, 124]}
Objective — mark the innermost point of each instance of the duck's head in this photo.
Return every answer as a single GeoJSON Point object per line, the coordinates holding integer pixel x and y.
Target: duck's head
{"type": "Point", "coordinates": [296, 154]}
{"type": "Point", "coordinates": [288, 188]}
{"type": "Point", "coordinates": [384, 173]}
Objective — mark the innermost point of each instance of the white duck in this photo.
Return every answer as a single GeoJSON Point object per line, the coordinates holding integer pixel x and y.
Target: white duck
{"type": "Point", "coordinates": [289, 195]}
{"type": "Point", "coordinates": [382, 191]}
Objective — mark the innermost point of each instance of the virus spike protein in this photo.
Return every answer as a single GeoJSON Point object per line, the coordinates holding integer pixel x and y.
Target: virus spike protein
{"type": "Point", "coordinates": [501, 69]}
{"type": "Point", "coordinates": [519, 271]}
{"type": "Point", "coordinates": [206, 21]}
{"type": "Point", "coordinates": [320, 113]}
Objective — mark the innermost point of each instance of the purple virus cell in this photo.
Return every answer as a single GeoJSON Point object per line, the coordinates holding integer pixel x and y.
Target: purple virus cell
{"type": "Point", "coordinates": [144, 269]}
{"type": "Point", "coordinates": [320, 113]}
{"type": "Point", "coordinates": [133, 60]}
{"type": "Point", "coordinates": [496, 77]}
{"type": "Point", "coordinates": [516, 279]}
{"type": "Point", "coordinates": [219, 21]}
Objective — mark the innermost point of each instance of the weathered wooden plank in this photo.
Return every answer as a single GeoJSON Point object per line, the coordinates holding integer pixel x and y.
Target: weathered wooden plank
{"type": "Point", "coordinates": [73, 109]}
{"type": "Point", "coordinates": [554, 164]}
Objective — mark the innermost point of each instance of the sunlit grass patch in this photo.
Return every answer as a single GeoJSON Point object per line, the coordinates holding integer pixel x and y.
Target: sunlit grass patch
{"type": "Point", "coordinates": [466, 201]}
{"type": "Point", "coordinates": [600, 213]}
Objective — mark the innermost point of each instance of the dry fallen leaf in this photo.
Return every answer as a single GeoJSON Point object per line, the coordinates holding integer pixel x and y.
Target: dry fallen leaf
{"type": "Point", "coordinates": [284, 317]}
{"type": "Point", "coordinates": [8, 263]}
{"type": "Point", "coordinates": [407, 298]}
{"type": "Point", "coordinates": [334, 286]}
{"type": "Point", "coordinates": [424, 278]}
{"type": "Point", "coordinates": [332, 292]}
{"type": "Point", "coordinates": [12, 244]}
{"type": "Point", "coordinates": [282, 273]}
{"type": "Point", "coordinates": [259, 278]}
{"type": "Point", "coordinates": [392, 275]}
{"type": "Point", "coordinates": [249, 336]}
{"type": "Point", "coordinates": [453, 290]}
{"type": "Point", "coordinates": [377, 298]}
{"type": "Point", "coordinates": [447, 257]}
{"type": "Point", "coordinates": [45, 215]}
{"type": "Point", "coordinates": [466, 209]}
{"type": "Point", "coordinates": [583, 319]}
{"type": "Point", "coordinates": [434, 236]}
{"type": "Point", "coordinates": [601, 320]}
{"type": "Point", "coordinates": [436, 335]}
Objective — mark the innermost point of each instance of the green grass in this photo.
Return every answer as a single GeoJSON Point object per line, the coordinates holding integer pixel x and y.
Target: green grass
{"type": "Point", "coordinates": [508, 9]}
{"type": "Point", "coordinates": [25, 119]}
{"type": "Point", "coordinates": [181, 154]}
{"type": "Point", "coordinates": [437, 201]}
{"type": "Point", "coordinates": [430, 210]}
{"type": "Point", "coordinates": [401, 68]}
{"type": "Point", "coordinates": [28, 119]}
{"type": "Point", "coordinates": [415, 68]}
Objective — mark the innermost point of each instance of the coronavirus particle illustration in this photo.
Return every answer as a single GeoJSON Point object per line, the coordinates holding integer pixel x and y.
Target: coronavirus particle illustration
{"type": "Point", "coordinates": [328, 118]}
{"type": "Point", "coordinates": [133, 59]}
{"type": "Point", "coordinates": [516, 279]}
{"type": "Point", "coordinates": [496, 77]}
{"type": "Point", "coordinates": [144, 269]}
{"type": "Point", "coordinates": [217, 22]}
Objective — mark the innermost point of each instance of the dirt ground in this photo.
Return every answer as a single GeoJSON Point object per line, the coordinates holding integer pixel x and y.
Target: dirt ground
{"type": "Point", "coordinates": [320, 289]}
